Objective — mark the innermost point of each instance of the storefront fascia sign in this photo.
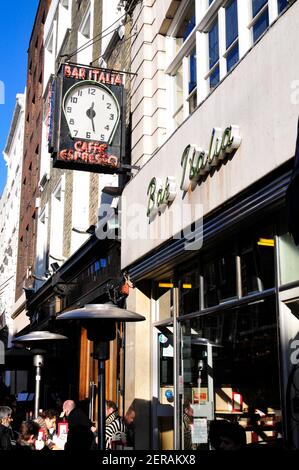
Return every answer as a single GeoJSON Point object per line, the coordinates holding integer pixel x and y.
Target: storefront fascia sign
{"type": "Point", "coordinates": [197, 162]}
{"type": "Point", "coordinates": [160, 195]}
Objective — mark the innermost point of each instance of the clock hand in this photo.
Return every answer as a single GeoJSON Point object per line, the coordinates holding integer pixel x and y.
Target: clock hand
{"type": "Point", "coordinates": [91, 114]}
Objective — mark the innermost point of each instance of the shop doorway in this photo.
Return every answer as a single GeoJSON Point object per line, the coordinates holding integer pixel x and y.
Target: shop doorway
{"type": "Point", "coordinates": [196, 391]}
{"type": "Point", "coordinates": [164, 407]}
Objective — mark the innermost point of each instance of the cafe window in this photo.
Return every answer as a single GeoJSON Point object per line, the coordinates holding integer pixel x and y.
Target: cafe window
{"type": "Point", "coordinates": [229, 368]}
{"type": "Point", "coordinates": [219, 275]}
{"type": "Point", "coordinates": [189, 292]}
{"type": "Point", "coordinates": [257, 261]}
{"type": "Point", "coordinates": [288, 257]}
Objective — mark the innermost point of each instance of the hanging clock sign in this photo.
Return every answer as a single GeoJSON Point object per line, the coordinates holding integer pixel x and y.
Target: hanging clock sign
{"type": "Point", "coordinates": [88, 120]}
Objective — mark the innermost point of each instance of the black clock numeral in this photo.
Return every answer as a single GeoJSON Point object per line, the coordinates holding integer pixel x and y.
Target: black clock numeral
{"type": "Point", "coordinates": [91, 91]}
{"type": "Point", "coordinates": [108, 105]}
{"type": "Point", "coordinates": [111, 117]}
{"type": "Point", "coordinates": [75, 132]}
{"type": "Point", "coordinates": [68, 109]}
{"type": "Point", "coordinates": [88, 135]}
{"type": "Point", "coordinates": [102, 137]}
{"type": "Point", "coordinates": [74, 99]}
{"type": "Point", "coordinates": [80, 92]}
{"type": "Point", "coordinates": [107, 128]}
{"type": "Point", "coordinates": [72, 121]}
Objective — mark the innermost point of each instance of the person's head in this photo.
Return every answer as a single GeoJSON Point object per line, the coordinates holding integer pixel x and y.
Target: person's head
{"type": "Point", "coordinates": [130, 416]}
{"type": "Point", "coordinates": [5, 416]}
{"type": "Point", "coordinates": [68, 406]}
{"type": "Point", "coordinates": [29, 432]}
{"type": "Point", "coordinates": [110, 407]}
{"type": "Point", "coordinates": [232, 437]}
{"type": "Point", "coordinates": [50, 419]}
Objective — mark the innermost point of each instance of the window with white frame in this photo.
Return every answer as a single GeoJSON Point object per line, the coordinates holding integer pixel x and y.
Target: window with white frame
{"type": "Point", "coordinates": [205, 41]}
{"type": "Point", "coordinates": [214, 67]}
{"type": "Point", "coordinates": [182, 41]}
{"type": "Point", "coordinates": [57, 222]}
{"type": "Point", "coordinates": [111, 12]}
{"type": "Point", "coordinates": [42, 242]}
{"type": "Point", "coordinates": [231, 32]}
{"type": "Point", "coordinates": [64, 22]}
{"type": "Point", "coordinates": [260, 18]}
{"type": "Point", "coordinates": [85, 34]}
{"type": "Point", "coordinates": [49, 60]}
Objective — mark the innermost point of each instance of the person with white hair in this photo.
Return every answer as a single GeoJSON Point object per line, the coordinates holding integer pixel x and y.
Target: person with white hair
{"type": "Point", "coordinates": [7, 441]}
{"type": "Point", "coordinates": [80, 435]}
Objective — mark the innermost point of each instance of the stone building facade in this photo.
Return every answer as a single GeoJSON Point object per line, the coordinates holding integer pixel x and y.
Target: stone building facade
{"type": "Point", "coordinates": [10, 215]}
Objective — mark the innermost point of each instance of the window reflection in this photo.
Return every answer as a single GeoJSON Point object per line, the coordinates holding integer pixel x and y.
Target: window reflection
{"type": "Point", "coordinates": [257, 261]}
{"type": "Point", "coordinates": [220, 279]}
{"type": "Point", "coordinates": [189, 292]}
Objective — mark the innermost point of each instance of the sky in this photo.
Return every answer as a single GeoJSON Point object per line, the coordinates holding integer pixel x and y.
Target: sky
{"type": "Point", "coordinates": [16, 22]}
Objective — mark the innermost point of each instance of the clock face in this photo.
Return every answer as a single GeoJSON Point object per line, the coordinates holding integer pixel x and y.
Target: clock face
{"type": "Point", "coordinates": [91, 111]}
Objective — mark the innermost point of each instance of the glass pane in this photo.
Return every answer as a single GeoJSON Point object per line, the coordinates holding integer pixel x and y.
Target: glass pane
{"type": "Point", "coordinates": [179, 88]}
{"type": "Point", "coordinates": [257, 261]}
{"type": "Point", "coordinates": [214, 77]}
{"type": "Point", "coordinates": [233, 57]}
{"type": "Point", "coordinates": [192, 102]}
{"type": "Point", "coordinates": [237, 370]}
{"type": "Point", "coordinates": [188, 23]}
{"type": "Point", "coordinates": [288, 258]}
{"type": "Point", "coordinates": [189, 292]}
{"type": "Point", "coordinates": [231, 23]}
{"type": "Point", "coordinates": [282, 4]}
{"type": "Point", "coordinates": [213, 45]}
{"type": "Point", "coordinates": [257, 5]}
{"type": "Point", "coordinates": [192, 71]}
{"type": "Point", "coordinates": [260, 25]}
{"type": "Point", "coordinates": [220, 282]}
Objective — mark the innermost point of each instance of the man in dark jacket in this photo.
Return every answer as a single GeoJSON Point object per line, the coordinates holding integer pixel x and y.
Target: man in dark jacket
{"type": "Point", "coordinates": [80, 435]}
{"type": "Point", "coordinates": [6, 434]}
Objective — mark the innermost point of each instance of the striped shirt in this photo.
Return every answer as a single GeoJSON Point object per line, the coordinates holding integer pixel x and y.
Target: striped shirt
{"type": "Point", "coordinates": [115, 429]}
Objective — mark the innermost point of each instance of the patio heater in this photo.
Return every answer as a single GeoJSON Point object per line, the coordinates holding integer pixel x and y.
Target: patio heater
{"type": "Point", "coordinates": [100, 323]}
{"type": "Point", "coordinates": [36, 341]}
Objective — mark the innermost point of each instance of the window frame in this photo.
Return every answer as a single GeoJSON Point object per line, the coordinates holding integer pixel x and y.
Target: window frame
{"type": "Point", "coordinates": [255, 18]}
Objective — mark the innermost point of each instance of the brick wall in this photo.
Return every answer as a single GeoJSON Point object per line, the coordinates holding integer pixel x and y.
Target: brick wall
{"type": "Point", "coordinates": [32, 147]}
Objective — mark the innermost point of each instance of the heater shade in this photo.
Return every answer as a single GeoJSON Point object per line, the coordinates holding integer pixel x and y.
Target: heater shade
{"type": "Point", "coordinates": [38, 337]}
{"type": "Point", "coordinates": [107, 311]}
